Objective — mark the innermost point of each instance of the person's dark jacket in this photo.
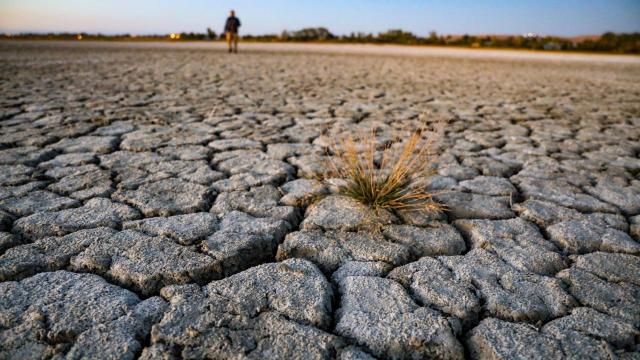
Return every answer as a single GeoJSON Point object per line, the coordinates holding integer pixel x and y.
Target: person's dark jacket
{"type": "Point", "coordinates": [232, 25]}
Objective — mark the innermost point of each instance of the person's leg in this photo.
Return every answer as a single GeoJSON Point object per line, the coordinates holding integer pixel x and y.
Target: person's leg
{"type": "Point", "coordinates": [235, 43]}
{"type": "Point", "coordinates": [229, 38]}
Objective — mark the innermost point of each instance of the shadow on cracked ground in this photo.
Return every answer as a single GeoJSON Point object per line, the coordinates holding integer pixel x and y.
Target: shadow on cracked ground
{"type": "Point", "coordinates": [156, 203]}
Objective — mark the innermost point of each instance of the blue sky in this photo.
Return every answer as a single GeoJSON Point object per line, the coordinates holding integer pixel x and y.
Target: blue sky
{"type": "Point", "coordinates": [556, 17]}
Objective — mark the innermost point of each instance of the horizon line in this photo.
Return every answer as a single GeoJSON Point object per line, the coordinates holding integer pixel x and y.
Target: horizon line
{"type": "Point", "coordinates": [122, 33]}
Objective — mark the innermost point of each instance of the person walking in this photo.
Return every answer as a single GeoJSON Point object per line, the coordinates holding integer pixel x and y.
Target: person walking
{"type": "Point", "coordinates": [231, 30]}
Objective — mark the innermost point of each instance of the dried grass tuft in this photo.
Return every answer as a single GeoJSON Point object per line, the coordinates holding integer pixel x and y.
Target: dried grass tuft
{"type": "Point", "coordinates": [388, 175]}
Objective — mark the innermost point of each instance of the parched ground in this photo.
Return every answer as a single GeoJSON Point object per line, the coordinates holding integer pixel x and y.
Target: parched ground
{"type": "Point", "coordinates": [163, 202]}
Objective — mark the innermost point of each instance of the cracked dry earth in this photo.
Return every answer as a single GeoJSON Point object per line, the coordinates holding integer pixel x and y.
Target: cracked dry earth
{"type": "Point", "coordinates": [162, 203]}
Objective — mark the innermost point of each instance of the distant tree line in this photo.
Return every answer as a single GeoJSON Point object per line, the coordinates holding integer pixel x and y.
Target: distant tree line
{"type": "Point", "coordinates": [625, 43]}
{"type": "Point", "coordinates": [116, 37]}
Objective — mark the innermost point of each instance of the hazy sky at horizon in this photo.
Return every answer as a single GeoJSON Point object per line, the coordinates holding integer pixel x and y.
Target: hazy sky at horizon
{"type": "Point", "coordinates": [556, 17]}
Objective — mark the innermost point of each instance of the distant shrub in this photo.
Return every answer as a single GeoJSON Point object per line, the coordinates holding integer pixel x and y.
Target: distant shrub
{"type": "Point", "coordinates": [308, 34]}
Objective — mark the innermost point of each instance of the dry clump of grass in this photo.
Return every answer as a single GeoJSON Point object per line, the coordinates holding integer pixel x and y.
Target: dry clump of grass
{"type": "Point", "coordinates": [389, 175]}
{"type": "Point", "coordinates": [101, 121]}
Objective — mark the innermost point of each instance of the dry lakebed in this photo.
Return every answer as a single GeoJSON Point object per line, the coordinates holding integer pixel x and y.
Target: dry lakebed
{"type": "Point", "coordinates": [163, 201]}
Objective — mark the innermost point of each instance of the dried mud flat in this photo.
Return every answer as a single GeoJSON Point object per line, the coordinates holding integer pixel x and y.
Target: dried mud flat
{"type": "Point", "coordinates": [162, 203]}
